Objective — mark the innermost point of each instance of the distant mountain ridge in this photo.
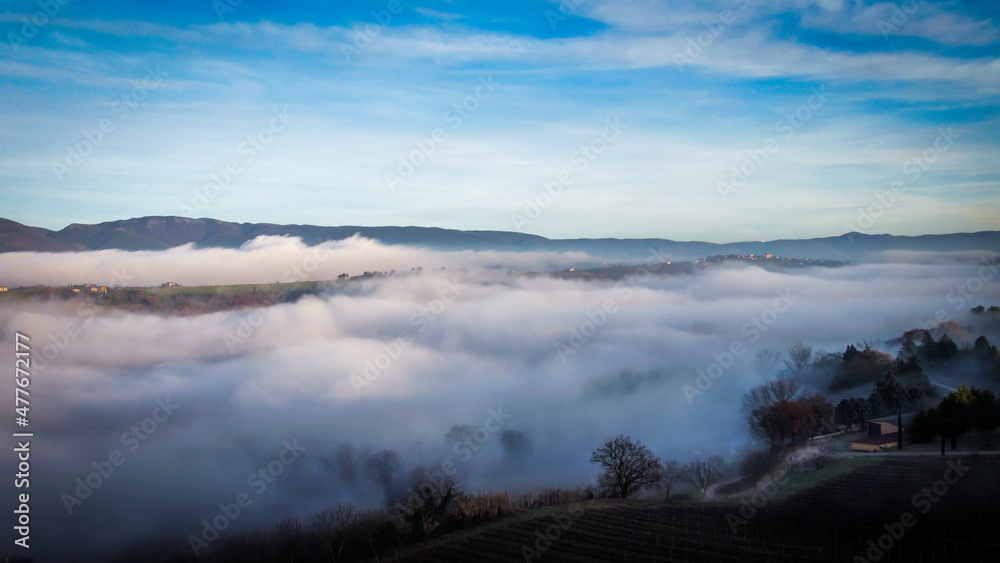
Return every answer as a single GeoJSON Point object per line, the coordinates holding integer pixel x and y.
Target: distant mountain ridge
{"type": "Point", "coordinates": [161, 233]}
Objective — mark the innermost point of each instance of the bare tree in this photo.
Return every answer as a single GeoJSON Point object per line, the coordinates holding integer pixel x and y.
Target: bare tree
{"type": "Point", "coordinates": [771, 392]}
{"type": "Point", "coordinates": [375, 528]}
{"type": "Point", "coordinates": [289, 539]}
{"type": "Point", "coordinates": [765, 360]}
{"type": "Point", "coordinates": [627, 466]}
{"type": "Point", "coordinates": [703, 473]}
{"type": "Point", "coordinates": [669, 475]}
{"type": "Point", "coordinates": [798, 362]}
{"type": "Point", "coordinates": [383, 467]}
{"type": "Point", "coordinates": [826, 451]}
{"type": "Point", "coordinates": [427, 503]}
{"type": "Point", "coordinates": [332, 528]}
{"type": "Point", "coordinates": [247, 547]}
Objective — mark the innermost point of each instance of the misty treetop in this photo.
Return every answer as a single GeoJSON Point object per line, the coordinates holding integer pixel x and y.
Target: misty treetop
{"type": "Point", "coordinates": [865, 364]}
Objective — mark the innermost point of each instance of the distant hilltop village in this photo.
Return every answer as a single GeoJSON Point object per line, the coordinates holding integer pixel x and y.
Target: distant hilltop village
{"type": "Point", "coordinates": [769, 258]}
{"type": "Point", "coordinates": [89, 288]}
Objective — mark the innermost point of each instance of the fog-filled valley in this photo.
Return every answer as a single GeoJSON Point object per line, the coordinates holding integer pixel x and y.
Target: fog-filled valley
{"type": "Point", "coordinates": [549, 280]}
{"type": "Point", "coordinates": [356, 390]}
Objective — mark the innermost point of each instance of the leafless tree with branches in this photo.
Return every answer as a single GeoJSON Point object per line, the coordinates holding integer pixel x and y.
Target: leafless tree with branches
{"type": "Point", "coordinates": [627, 466]}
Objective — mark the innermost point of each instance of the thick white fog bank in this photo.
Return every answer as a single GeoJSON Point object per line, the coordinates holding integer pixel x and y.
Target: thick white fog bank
{"type": "Point", "coordinates": [536, 370]}
{"type": "Point", "coordinates": [265, 259]}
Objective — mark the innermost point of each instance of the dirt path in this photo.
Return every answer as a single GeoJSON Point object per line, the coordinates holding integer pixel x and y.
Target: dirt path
{"type": "Point", "coordinates": [811, 450]}
{"type": "Point", "coordinates": [801, 454]}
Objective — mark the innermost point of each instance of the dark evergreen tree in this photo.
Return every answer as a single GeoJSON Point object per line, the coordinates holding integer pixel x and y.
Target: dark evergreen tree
{"type": "Point", "coordinates": [925, 426]}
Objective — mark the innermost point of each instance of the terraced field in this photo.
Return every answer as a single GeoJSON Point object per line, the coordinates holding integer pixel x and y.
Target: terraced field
{"type": "Point", "coordinates": [906, 505]}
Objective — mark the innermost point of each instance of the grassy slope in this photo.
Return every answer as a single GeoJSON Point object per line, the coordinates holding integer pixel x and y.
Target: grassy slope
{"type": "Point", "coordinates": [834, 469]}
{"type": "Point", "coordinates": [236, 289]}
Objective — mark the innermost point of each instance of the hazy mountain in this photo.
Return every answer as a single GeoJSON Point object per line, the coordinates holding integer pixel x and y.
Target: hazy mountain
{"type": "Point", "coordinates": [158, 233]}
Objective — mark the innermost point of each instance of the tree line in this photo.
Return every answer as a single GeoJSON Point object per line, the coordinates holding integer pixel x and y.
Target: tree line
{"type": "Point", "coordinates": [959, 412]}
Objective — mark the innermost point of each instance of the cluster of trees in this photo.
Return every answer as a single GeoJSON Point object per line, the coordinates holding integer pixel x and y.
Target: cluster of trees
{"type": "Point", "coordinates": [628, 467]}
{"type": "Point", "coordinates": [863, 364]}
{"type": "Point", "coordinates": [984, 349]}
{"type": "Point", "coordinates": [928, 349]}
{"type": "Point", "coordinates": [980, 309]}
{"type": "Point", "coordinates": [982, 357]}
{"type": "Point", "coordinates": [890, 396]}
{"type": "Point", "coordinates": [959, 412]}
{"type": "Point", "coordinates": [778, 410]}
{"type": "Point", "coordinates": [856, 367]}
{"type": "Point", "coordinates": [986, 357]}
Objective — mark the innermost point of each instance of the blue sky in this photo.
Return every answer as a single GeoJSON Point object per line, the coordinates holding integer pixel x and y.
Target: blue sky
{"type": "Point", "coordinates": [875, 117]}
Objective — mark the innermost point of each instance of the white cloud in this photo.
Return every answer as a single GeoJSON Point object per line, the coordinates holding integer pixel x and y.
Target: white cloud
{"type": "Point", "coordinates": [888, 19]}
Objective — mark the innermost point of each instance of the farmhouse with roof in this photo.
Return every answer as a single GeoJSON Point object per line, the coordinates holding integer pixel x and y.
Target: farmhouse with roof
{"type": "Point", "coordinates": [883, 434]}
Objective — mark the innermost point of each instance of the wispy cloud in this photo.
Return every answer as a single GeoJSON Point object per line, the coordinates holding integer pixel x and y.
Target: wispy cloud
{"type": "Point", "coordinates": [743, 64]}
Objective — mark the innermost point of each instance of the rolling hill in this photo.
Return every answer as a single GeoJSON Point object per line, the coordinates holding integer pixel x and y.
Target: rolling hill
{"type": "Point", "coordinates": [160, 233]}
{"type": "Point", "coordinates": [898, 510]}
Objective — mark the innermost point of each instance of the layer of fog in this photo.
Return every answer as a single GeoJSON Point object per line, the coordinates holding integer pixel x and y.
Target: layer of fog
{"type": "Point", "coordinates": [265, 259]}
{"type": "Point", "coordinates": [479, 342]}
